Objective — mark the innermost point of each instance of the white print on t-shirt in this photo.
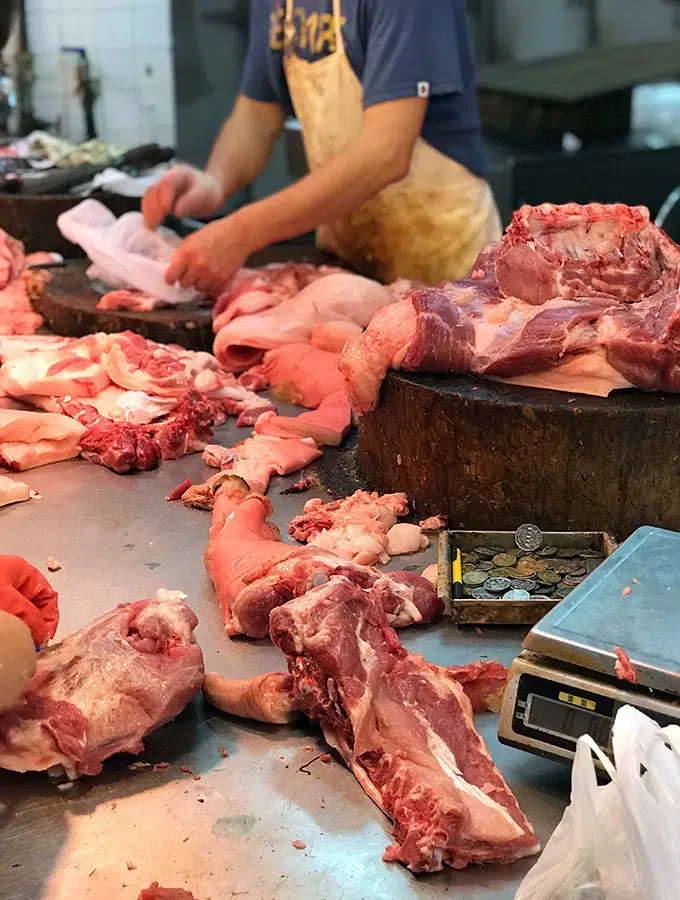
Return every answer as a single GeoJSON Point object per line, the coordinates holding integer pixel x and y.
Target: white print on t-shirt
{"type": "Point", "coordinates": [423, 88]}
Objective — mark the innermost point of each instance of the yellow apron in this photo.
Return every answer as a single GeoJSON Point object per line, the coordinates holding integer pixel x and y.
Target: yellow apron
{"type": "Point", "coordinates": [431, 225]}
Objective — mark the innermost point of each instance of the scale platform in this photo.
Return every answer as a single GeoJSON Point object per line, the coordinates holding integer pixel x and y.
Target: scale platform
{"type": "Point", "coordinates": [563, 683]}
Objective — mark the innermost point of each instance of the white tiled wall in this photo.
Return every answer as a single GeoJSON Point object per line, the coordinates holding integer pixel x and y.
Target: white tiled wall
{"type": "Point", "coordinates": [129, 45]}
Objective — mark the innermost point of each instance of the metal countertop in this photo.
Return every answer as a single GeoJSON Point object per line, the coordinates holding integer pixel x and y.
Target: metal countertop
{"type": "Point", "coordinates": [230, 833]}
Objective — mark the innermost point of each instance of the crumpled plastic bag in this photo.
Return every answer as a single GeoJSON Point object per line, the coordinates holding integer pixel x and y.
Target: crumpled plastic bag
{"type": "Point", "coordinates": [123, 252]}
{"type": "Point", "coordinates": [621, 840]}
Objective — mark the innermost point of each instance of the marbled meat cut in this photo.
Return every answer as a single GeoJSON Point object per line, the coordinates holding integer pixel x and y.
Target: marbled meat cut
{"type": "Point", "coordinates": [104, 688]}
{"type": "Point", "coordinates": [338, 297]}
{"type": "Point", "coordinates": [253, 571]}
{"type": "Point", "coordinates": [302, 374]}
{"type": "Point", "coordinates": [578, 298]}
{"type": "Point", "coordinates": [404, 727]}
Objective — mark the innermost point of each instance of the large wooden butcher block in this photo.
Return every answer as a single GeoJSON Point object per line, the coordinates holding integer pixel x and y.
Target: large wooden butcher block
{"type": "Point", "coordinates": [493, 455]}
{"type": "Point", "coordinates": [69, 307]}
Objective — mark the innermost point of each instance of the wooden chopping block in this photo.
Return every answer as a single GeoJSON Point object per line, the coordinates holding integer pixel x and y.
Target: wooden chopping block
{"type": "Point", "coordinates": [494, 455]}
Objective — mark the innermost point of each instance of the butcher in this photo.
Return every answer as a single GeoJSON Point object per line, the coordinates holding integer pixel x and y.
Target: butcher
{"type": "Point", "coordinates": [29, 615]}
{"type": "Point", "coordinates": [385, 93]}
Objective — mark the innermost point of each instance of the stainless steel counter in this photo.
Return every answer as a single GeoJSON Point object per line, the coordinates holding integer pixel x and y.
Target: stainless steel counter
{"type": "Point", "coordinates": [230, 833]}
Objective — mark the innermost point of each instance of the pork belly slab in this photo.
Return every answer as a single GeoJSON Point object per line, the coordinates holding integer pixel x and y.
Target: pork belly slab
{"type": "Point", "coordinates": [104, 688]}
{"type": "Point", "coordinates": [404, 727]}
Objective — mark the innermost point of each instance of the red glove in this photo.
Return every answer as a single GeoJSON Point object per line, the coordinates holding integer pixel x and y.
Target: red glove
{"type": "Point", "coordinates": [27, 594]}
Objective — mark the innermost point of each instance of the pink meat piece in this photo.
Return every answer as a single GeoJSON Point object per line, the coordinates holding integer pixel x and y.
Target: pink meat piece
{"type": "Point", "coordinates": [434, 523]}
{"type": "Point", "coordinates": [155, 892]}
{"type": "Point", "coordinates": [623, 666]}
{"type": "Point", "coordinates": [327, 425]}
{"type": "Point", "coordinates": [302, 374]}
{"type": "Point", "coordinates": [333, 336]}
{"type": "Point", "coordinates": [404, 727]}
{"type": "Point", "coordinates": [334, 298]}
{"type": "Point", "coordinates": [253, 571]}
{"type": "Point", "coordinates": [253, 290]}
{"type": "Point", "coordinates": [76, 369]}
{"type": "Point", "coordinates": [11, 259]}
{"type": "Point", "coordinates": [483, 682]}
{"type": "Point", "coordinates": [259, 457]}
{"type": "Point", "coordinates": [253, 380]}
{"type": "Point", "coordinates": [236, 399]}
{"type": "Point", "coordinates": [132, 300]}
{"type": "Point", "coordinates": [104, 688]}
{"type": "Point", "coordinates": [16, 313]}
{"type": "Point", "coordinates": [355, 528]}
{"type": "Point", "coordinates": [167, 370]}
{"type": "Point", "coordinates": [404, 538]}
{"type": "Point", "coordinates": [12, 346]}
{"type": "Point", "coordinates": [579, 298]}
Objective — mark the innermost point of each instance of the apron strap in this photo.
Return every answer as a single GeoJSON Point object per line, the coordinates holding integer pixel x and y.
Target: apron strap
{"type": "Point", "coordinates": [337, 22]}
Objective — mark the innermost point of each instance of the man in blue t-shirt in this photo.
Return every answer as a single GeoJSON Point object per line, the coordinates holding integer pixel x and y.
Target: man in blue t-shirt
{"type": "Point", "coordinates": [384, 91]}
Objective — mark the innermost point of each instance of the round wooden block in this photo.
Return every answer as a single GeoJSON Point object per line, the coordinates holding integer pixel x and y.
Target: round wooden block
{"type": "Point", "coordinates": [493, 456]}
{"type": "Point", "coordinates": [69, 306]}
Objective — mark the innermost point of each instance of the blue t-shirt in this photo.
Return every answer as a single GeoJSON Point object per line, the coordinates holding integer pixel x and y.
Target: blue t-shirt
{"type": "Point", "coordinates": [397, 48]}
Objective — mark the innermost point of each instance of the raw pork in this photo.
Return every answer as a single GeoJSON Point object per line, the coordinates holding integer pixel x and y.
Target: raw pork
{"type": "Point", "coordinates": [483, 682]}
{"type": "Point", "coordinates": [132, 300]}
{"type": "Point", "coordinates": [327, 426]}
{"type": "Point", "coordinates": [265, 698]}
{"type": "Point", "coordinates": [254, 290]}
{"type": "Point", "coordinates": [15, 345]}
{"type": "Point", "coordinates": [355, 528]}
{"type": "Point", "coordinates": [30, 439]}
{"type": "Point", "coordinates": [253, 571]}
{"type": "Point", "coordinates": [404, 538]}
{"type": "Point", "coordinates": [579, 298]}
{"type": "Point", "coordinates": [155, 892]}
{"type": "Point", "coordinates": [259, 457]}
{"type": "Point", "coordinates": [16, 313]}
{"type": "Point", "coordinates": [76, 369]}
{"type": "Point", "coordinates": [404, 727]}
{"type": "Point", "coordinates": [12, 491]}
{"type": "Point", "coordinates": [623, 667]}
{"type": "Point", "coordinates": [302, 374]}
{"type": "Point", "coordinates": [104, 688]}
{"type": "Point", "coordinates": [333, 336]}
{"type": "Point", "coordinates": [340, 297]}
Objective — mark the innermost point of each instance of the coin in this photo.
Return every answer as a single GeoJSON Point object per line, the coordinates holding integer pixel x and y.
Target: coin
{"type": "Point", "coordinates": [498, 573]}
{"type": "Point", "coordinates": [529, 566]}
{"type": "Point", "coordinates": [563, 591]}
{"type": "Point", "coordinates": [547, 551]}
{"type": "Point", "coordinates": [573, 580]}
{"type": "Point", "coordinates": [479, 593]}
{"type": "Point", "coordinates": [564, 566]}
{"type": "Point", "coordinates": [516, 595]}
{"type": "Point", "coordinates": [591, 565]}
{"type": "Point", "coordinates": [485, 552]}
{"type": "Point", "coordinates": [497, 585]}
{"type": "Point", "coordinates": [567, 553]}
{"type": "Point", "coordinates": [485, 565]}
{"type": "Point", "coordinates": [578, 568]}
{"type": "Point", "coordinates": [469, 557]}
{"type": "Point", "coordinates": [474, 578]}
{"type": "Point", "coordinates": [590, 554]}
{"type": "Point", "coordinates": [524, 584]}
{"type": "Point", "coordinates": [468, 567]}
{"type": "Point", "coordinates": [528, 537]}
{"type": "Point", "coordinates": [497, 548]}
{"type": "Point", "coordinates": [503, 560]}
{"type": "Point", "coordinates": [549, 577]}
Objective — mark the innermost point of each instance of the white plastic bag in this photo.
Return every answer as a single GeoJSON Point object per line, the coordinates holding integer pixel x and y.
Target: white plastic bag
{"type": "Point", "coordinates": [124, 253]}
{"type": "Point", "coordinates": [621, 840]}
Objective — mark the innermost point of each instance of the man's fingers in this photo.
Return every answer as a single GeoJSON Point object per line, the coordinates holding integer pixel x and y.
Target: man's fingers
{"type": "Point", "coordinates": [177, 267]}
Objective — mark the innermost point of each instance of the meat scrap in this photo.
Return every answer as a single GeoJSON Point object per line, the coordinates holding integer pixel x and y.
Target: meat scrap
{"type": "Point", "coordinates": [16, 313]}
{"type": "Point", "coordinates": [404, 727]}
{"type": "Point", "coordinates": [12, 491]}
{"type": "Point", "coordinates": [178, 492]}
{"type": "Point", "coordinates": [327, 425]}
{"type": "Point", "coordinates": [104, 688]}
{"type": "Point", "coordinates": [355, 528]}
{"type": "Point", "coordinates": [302, 374]}
{"type": "Point", "coordinates": [483, 682]}
{"type": "Point", "coordinates": [576, 298]}
{"type": "Point", "coordinates": [299, 487]}
{"type": "Point", "coordinates": [52, 564]}
{"type": "Point", "coordinates": [132, 300]}
{"type": "Point", "coordinates": [623, 666]}
{"type": "Point", "coordinates": [434, 523]}
{"type": "Point", "coordinates": [155, 892]}
{"type": "Point", "coordinates": [253, 571]}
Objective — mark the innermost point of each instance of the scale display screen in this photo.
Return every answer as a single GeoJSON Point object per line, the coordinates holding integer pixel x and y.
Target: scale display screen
{"type": "Point", "coordinates": [566, 720]}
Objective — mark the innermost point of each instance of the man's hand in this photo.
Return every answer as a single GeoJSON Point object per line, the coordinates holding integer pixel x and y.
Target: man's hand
{"type": "Point", "coordinates": [183, 191]}
{"type": "Point", "coordinates": [28, 595]}
{"type": "Point", "coordinates": [209, 258]}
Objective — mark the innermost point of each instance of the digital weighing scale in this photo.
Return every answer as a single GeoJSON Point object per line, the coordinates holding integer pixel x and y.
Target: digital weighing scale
{"type": "Point", "coordinates": [563, 685]}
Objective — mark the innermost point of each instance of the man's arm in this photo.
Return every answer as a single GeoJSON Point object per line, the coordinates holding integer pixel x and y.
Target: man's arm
{"type": "Point", "coordinates": [239, 155]}
{"type": "Point", "coordinates": [379, 156]}
{"type": "Point", "coordinates": [245, 143]}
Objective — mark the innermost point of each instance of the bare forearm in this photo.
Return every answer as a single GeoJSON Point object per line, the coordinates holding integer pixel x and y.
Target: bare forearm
{"type": "Point", "coordinates": [331, 192]}
{"type": "Point", "coordinates": [244, 144]}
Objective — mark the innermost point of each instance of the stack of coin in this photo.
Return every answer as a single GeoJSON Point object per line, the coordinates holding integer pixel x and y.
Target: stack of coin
{"type": "Point", "coordinates": [491, 572]}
